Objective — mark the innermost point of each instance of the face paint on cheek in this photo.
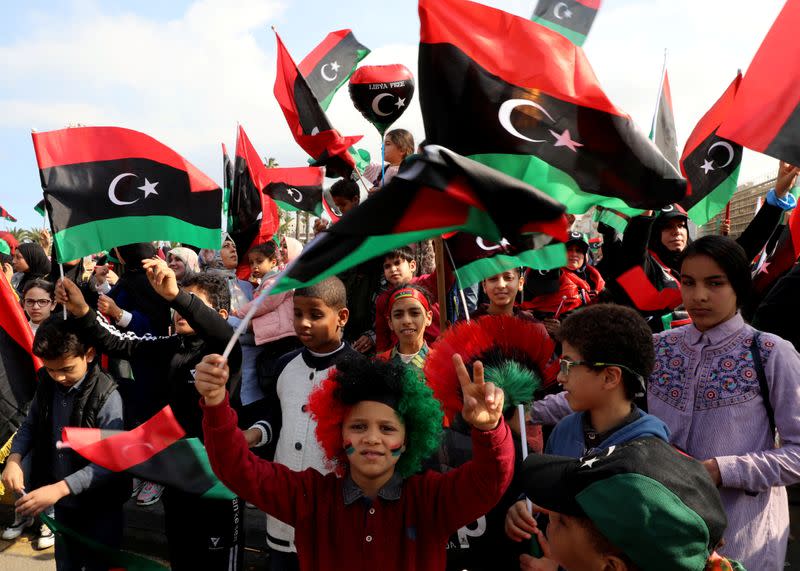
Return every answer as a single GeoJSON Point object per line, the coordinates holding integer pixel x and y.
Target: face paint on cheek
{"type": "Point", "coordinates": [348, 448]}
{"type": "Point", "coordinates": [397, 451]}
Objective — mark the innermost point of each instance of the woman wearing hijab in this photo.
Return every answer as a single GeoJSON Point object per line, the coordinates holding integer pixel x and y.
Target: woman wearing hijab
{"type": "Point", "coordinates": [184, 262]}
{"type": "Point", "coordinates": [30, 262]}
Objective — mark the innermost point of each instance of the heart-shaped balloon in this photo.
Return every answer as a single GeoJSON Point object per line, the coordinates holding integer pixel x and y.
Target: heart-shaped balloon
{"type": "Point", "coordinates": [382, 93]}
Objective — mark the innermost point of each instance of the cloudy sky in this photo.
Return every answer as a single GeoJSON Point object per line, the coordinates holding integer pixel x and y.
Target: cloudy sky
{"type": "Point", "coordinates": [185, 71]}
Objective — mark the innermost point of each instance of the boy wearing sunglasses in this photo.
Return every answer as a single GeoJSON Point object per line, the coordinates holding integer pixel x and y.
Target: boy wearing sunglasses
{"type": "Point", "coordinates": [606, 355]}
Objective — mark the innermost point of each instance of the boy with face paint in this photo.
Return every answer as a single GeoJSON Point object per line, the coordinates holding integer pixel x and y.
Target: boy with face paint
{"type": "Point", "coordinates": [375, 422]}
{"type": "Point", "coordinates": [200, 310]}
{"type": "Point", "coordinates": [409, 316]}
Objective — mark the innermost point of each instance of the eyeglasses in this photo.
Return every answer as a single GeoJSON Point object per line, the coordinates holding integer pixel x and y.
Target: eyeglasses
{"type": "Point", "coordinates": [39, 302]}
{"type": "Point", "coordinates": [565, 365]}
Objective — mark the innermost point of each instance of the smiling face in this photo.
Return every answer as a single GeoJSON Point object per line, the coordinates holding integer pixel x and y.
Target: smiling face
{"type": "Point", "coordinates": [177, 266]}
{"type": "Point", "coordinates": [374, 439]}
{"type": "Point", "coordinates": [576, 257]}
{"type": "Point", "coordinates": [408, 320]}
{"type": "Point", "coordinates": [707, 292]}
{"type": "Point", "coordinates": [38, 304]}
{"type": "Point", "coordinates": [502, 288]}
{"type": "Point", "coordinates": [675, 235]}
{"type": "Point", "coordinates": [317, 325]}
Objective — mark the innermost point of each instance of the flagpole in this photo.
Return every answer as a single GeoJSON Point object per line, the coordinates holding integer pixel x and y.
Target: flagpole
{"type": "Point", "coordinates": [658, 97]}
{"type": "Point", "coordinates": [383, 159]}
{"type": "Point", "coordinates": [458, 280]}
{"type": "Point", "coordinates": [441, 294]}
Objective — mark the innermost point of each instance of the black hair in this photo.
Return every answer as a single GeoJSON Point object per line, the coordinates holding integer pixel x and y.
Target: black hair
{"type": "Point", "coordinates": [268, 249]}
{"type": "Point", "coordinates": [6, 259]}
{"type": "Point", "coordinates": [330, 290]}
{"type": "Point", "coordinates": [213, 287]}
{"type": "Point", "coordinates": [729, 256]}
{"type": "Point", "coordinates": [47, 286]}
{"type": "Point", "coordinates": [608, 333]}
{"type": "Point", "coordinates": [344, 188]}
{"type": "Point", "coordinates": [56, 338]}
{"type": "Point", "coordinates": [403, 252]}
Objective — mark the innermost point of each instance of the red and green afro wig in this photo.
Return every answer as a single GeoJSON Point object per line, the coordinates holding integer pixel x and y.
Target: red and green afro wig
{"type": "Point", "coordinates": [393, 384]}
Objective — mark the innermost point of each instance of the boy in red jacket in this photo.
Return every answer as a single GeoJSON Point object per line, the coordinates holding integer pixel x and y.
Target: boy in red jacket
{"type": "Point", "coordinates": [376, 423]}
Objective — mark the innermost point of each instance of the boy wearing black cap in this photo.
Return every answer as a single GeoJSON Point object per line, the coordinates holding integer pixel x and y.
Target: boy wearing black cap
{"type": "Point", "coordinates": [641, 505]}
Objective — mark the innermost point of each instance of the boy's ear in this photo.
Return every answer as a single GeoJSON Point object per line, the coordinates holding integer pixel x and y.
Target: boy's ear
{"type": "Point", "coordinates": [413, 266]}
{"type": "Point", "coordinates": [614, 563]}
{"type": "Point", "coordinates": [90, 354]}
{"type": "Point", "coordinates": [223, 313]}
{"type": "Point", "coordinates": [613, 377]}
{"type": "Point", "coordinates": [428, 318]}
{"type": "Point", "coordinates": [343, 315]}
{"type": "Point", "coordinates": [521, 283]}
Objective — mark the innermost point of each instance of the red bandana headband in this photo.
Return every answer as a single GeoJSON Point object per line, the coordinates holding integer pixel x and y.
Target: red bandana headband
{"type": "Point", "coordinates": [409, 292]}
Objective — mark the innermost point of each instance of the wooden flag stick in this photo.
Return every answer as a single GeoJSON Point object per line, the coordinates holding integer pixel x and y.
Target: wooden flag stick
{"type": "Point", "coordinates": [438, 248]}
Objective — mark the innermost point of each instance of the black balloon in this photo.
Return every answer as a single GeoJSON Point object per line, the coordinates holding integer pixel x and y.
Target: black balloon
{"type": "Point", "coordinates": [382, 93]}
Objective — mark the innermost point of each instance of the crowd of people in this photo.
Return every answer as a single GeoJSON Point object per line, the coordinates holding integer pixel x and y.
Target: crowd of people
{"type": "Point", "coordinates": [657, 439]}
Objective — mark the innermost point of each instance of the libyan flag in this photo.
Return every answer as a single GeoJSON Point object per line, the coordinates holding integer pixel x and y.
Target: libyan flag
{"type": "Point", "coordinates": [662, 133]}
{"type": "Point", "coordinates": [252, 216]}
{"type": "Point", "coordinates": [309, 125]}
{"type": "Point", "coordinates": [434, 194]}
{"type": "Point", "coordinates": [710, 163]}
{"type": "Point", "coordinates": [331, 63]}
{"type": "Point", "coordinates": [570, 18]}
{"type": "Point", "coordinates": [765, 116]}
{"type": "Point", "coordinates": [524, 100]}
{"type": "Point", "coordinates": [298, 188]}
{"type": "Point", "coordinates": [39, 208]}
{"type": "Point", "coordinates": [227, 187]}
{"type": "Point", "coordinates": [154, 451]}
{"type": "Point", "coordinates": [5, 214]}
{"type": "Point", "coordinates": [475, 259]}
{"type": "Point", "coordinates": [108, 186]}
{"type": "Point", "coordinates": [18, 365]}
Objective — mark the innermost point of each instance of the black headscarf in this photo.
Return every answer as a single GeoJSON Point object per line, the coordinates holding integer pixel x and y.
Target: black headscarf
{"type": "Point", "coordinates": [38, 263]}
{"type": "Point", "coordinates": [135, 283]}
{"type": "Point", "coordinates": [668, 257]}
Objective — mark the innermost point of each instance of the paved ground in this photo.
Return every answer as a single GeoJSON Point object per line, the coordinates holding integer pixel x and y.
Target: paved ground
{"type": "Point", "coordinates": [145, 535]}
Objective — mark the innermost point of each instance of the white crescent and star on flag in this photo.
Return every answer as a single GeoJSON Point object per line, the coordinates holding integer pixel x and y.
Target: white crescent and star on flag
{"type": "Point", "coordinates": [148, 188]}
{"type": "Point", "coordinates": [708, 165]}
{"type": "Point", "coordinates": [400, 102]}
{"type": "Point", "coordinates": [291, 192]}
{"type": "Point", "coordinates": [561, 11]}
{"type": "Point", "coordinates": [504, 116]}
{"type": "Point", "coordinates": [334, 67]}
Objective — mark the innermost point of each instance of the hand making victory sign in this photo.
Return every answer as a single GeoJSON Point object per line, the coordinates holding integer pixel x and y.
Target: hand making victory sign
{"type": "Point", "coordinates": [483, 402]}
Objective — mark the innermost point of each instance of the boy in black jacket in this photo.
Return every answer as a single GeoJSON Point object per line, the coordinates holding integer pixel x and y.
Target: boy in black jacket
{"type": "Point", "coordinates": [202, 534]}
{"type": "Point", "coordinates": [72, 391]}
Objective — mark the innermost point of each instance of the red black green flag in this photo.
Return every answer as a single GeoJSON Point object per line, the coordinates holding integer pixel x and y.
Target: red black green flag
{"type": "Point", "coordinates": [331, 63]}
{"type": "Point", "coordinates": [523, 99]}
{"type": "Point", "coordinates": [253, 216]}
{"type": "Point", "coordinates": [108, 186]}
{"type": "Point", "coordinates": [662, 132]}
{"type": "Point", "coordinates": [475, 259]}
{"type": "Point", "coordinates": [570, 18]}
{"type": "Point", "coordinates": [309, 125]}
{"type": "Point", "coordinates": [297, 188]}
{"type": "Point", "coordinates": [437, 193]}
{"type": "Point", "coordinates": [766, 114]}
{"type": "Point", "coordinates": [154, 451]}
{"type": "Point", "coordinates": [18, 365]}
{"type": "Point", "coordinates": [39, 208]}
{"type": "Point", "coordinates": [5, 214]}
{"type": "Point", "coordinates": [115, 559]}
{"type": "Point", "coordinates": [711, 163]}
{"type": "Point", "coordinates": [227, 186]}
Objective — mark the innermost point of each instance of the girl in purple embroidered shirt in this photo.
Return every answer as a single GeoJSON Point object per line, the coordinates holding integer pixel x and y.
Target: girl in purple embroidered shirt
{"type": "Point", "coordinates": [707, 388]}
